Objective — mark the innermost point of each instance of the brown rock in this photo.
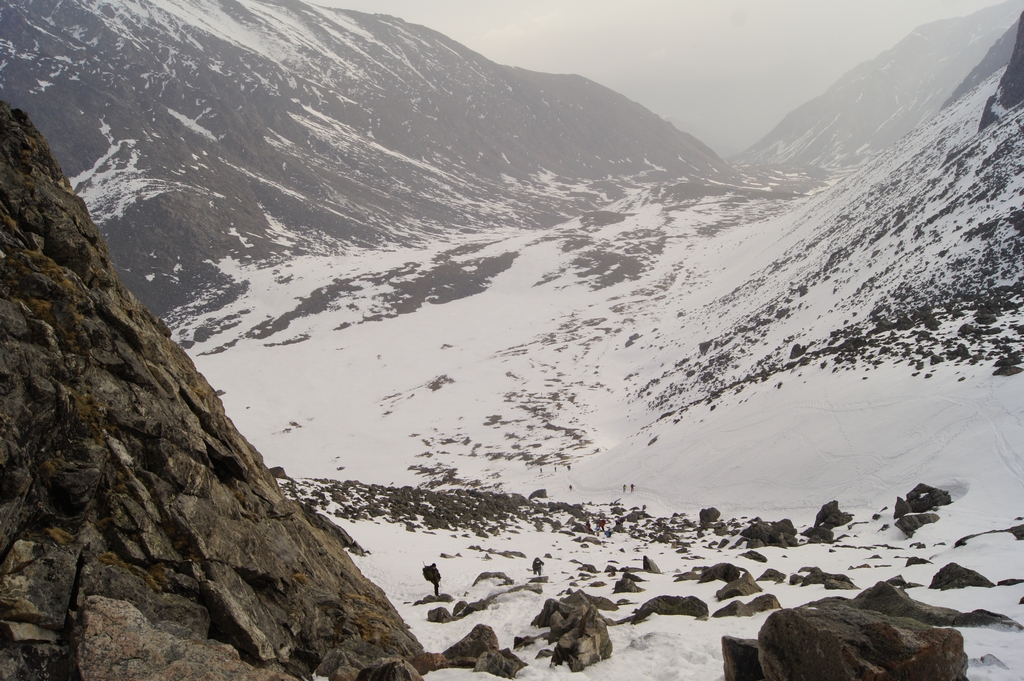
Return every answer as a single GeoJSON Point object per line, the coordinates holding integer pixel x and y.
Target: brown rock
{"type": "Point", "coordinates": [762, 603]}
{"type": "Point", "coordinates": [839, 643]}
{"type": "Point", "coordinates": [583, 640]}
{"type": "Point", "coordinates": [35, 583]}
{"type": "Point", "coordinates": [115, 446]}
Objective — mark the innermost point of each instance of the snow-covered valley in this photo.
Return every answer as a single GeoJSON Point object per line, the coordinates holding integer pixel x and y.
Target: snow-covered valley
{"type": "Point", "coordinates": [755, 350]}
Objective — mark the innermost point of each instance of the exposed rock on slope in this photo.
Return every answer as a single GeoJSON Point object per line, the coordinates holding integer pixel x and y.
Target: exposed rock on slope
{"type": "Point", "coordinates": [121, 479]}
{"type": "Point", "coordinates": [1011, 88]}
{"type": "Point", "coordinates": [997, 57]}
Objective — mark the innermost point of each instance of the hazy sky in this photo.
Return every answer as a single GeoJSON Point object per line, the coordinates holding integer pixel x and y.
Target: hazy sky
{"type": "Point", "coordinates": [725, 70]}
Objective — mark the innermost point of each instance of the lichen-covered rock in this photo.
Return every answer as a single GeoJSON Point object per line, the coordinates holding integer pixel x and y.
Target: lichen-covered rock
{"type": "Point", "coordinates": [741, 661]}
{"type": "Point", "coordinates": [394, 669]}
{"type": "Point", "coordinates": [504, 664]}
{"type": "Point", "coordinates": [117, 454]}
{"type": "Point", "coordinates": [118, 643]}
{"type": "Point", "coordinates": [839, 643]}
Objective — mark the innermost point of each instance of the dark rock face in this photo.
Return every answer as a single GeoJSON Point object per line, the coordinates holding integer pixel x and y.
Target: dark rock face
{"type": "Point", "coordinates": [926, 498]}
{"type": "Point", "coordinates": [819, 535]}
{"type": "Point", "coordinates": [836, 642]}
{"type": "Point", "coordinates": [709, 515]}
{"type": "Point", "coordinates": [741, 661]}
{"type": "Point", "coordinates": [953, 576]}
{"type": "Point", "coordinates": [117, 460]}
{"type": "Point", "coordinates": [672, 605]}
{"type": "Point", "coordinates": [830, 516]}
{"type": "Point", "coordinates": [1011, 88]}
{"type": "Point", "coordinates": [902, 508]}
{"type": "Point", "coordinates": [912, 522]}
{"type": "Point", "coordinates": [474, 644]}
{"type": "Point", "coordinates": [651, 566]}
{"type": "Point", "coordinates": [780, 533]}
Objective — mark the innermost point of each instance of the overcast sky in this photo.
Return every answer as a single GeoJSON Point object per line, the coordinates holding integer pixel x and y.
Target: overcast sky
{"type": "Point", "coordinates": [726, 71]}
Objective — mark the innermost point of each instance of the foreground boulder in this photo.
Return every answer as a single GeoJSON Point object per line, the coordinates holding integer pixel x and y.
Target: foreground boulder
{"type": "Point", "coordinates": [741, 659]}
{"type": "Point", "coordinates": [582, 640]}
{"type": "Point", "coordinates": [840, 643]}
{"type": "Point", "coordinates": [503, 663]}
{"type": "Point", "coordinates": [122, 474]}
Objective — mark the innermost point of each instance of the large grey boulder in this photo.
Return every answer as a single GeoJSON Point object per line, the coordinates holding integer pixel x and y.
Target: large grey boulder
{"type": "Point", "coordinates": [118, 643]}
{"type": "Point", "coordinates": [839, 643]}
{"type": "Point", "coordinates": [393, 669]}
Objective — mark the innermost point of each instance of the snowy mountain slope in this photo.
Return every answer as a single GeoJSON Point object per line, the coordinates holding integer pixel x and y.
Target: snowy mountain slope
{"type": "Point", "coordinates": [197, 130]}
{"type": "Point", "coordinates": [653, 343]}
{"type": "Point", "coordinates": [879, 101]}
{"type": "Point", "coordinates": [995, 59]}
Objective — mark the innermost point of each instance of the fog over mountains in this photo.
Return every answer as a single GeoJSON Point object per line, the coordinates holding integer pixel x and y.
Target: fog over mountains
{"type": "Point", "coordinates": [883, 99]}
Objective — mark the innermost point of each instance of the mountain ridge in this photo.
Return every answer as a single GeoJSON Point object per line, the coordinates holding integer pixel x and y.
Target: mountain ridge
{"type": "Point", "coordinates": [261, 131]}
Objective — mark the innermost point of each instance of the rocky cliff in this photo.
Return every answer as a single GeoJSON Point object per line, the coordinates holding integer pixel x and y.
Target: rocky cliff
{"type": "Point", "coordinates": [1011, 87]}
{"type": "Point", "coordinates": [139, 531]}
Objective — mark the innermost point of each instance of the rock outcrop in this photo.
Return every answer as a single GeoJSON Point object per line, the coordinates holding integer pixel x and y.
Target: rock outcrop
{"type": "Point", "coordinates": [121, 474]}
{"type": "Point", "coordinates": [1011, 88]}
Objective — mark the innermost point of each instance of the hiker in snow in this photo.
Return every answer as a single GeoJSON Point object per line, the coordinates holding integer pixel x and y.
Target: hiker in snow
{"type": "Point", "coordinates": [570, 488]}
{"type": "Point", "coordinates": [568, 466]}
{"type": "Point", "coordinates": [632, 488]}
{"type": "Point", "coordinates": [432, 575]}
{"type": "Point", "coordinates": [623, 489]}
{"type": "Point", "coordinates": [538, 566]}
{"type": "Point", "coordinates": [600, 523]}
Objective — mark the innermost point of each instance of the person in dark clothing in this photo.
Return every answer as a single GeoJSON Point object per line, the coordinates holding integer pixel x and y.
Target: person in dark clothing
{"type": "Point", "coordinates": [432, 575]}
{"type": "Point", "coordinates": [538, 566]}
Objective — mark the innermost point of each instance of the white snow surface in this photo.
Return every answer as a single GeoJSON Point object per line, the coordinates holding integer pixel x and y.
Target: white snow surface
{"type": "Point", "coordinates": [578, 348]}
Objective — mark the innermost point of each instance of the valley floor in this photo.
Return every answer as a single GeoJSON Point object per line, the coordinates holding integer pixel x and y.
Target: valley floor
{"type": "Point", "coordinates": [683, 648]}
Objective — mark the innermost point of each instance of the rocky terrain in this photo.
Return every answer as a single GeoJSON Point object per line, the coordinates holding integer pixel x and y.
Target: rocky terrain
{"type": "Point", "coordinates": [638, 594]}
{"type": "Point", "coordinates": [141, 535]}
{"type": "Point", "coordinates": [257, 131]}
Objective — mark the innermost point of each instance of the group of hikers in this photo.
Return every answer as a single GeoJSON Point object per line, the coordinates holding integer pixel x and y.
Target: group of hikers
{"type": "Point", "coordinates": [433, 575]}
